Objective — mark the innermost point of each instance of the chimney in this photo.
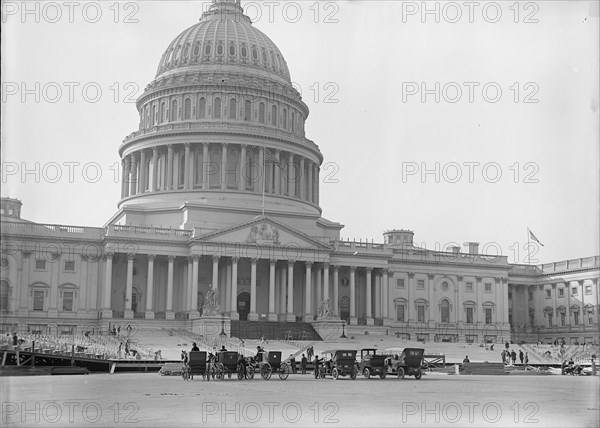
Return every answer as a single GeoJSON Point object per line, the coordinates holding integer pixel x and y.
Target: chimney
{"type": "Point", "coordinates": [455, 249]}
{"type": "Point", "coordinates": [473, 247]}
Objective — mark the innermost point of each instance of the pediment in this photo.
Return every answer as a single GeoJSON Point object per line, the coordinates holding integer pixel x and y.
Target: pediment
{"type": "Point", "coordinates": [263, 231]}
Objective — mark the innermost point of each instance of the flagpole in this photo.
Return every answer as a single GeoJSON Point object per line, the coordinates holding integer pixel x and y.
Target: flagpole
{"type": "Point", "coordinates": [264, 172]}
{"type": "Point", "coordinates": [528, 248]}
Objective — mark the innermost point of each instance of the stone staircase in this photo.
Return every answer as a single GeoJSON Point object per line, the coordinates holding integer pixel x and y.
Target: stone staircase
{"type": "Point", "coordinates": [274, 330]}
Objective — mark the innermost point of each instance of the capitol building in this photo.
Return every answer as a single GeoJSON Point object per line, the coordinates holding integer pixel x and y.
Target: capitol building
{"type": "Point", "coordinates": [220, 159]}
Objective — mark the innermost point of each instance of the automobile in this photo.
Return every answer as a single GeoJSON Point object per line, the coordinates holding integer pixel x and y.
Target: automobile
{"type": "Point", "coordinates": [336, 363]}
{"type": "Point", "coordinates": [372, 363]}
{"type": "Point", "coordinates": [405, 362]}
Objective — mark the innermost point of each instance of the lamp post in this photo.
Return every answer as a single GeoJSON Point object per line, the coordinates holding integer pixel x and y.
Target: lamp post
{"type": "Point", "coordinates": [222, 335]}
{"type": "Point", "coordinates": [343, 336]}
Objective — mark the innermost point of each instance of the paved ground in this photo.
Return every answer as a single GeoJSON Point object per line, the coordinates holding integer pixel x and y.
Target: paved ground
{"type": "Point", "coordinates": [150, 400]}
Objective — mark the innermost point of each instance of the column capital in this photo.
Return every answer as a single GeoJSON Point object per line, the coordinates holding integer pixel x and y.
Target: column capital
{"type": "Point", "coordinates": [216, 258]}
{"type": "Point", "coordinates": [308, 264]}
{"type": "Point", "coordinates": [581, 281]}
{"type": "Point", "coordinates": [254, 260]}
{"type": "Point", "coordinates": [541, 287]}
{"type": "Point", "coordinates": [335, 267]}
{"type": "Point", "coordinates": [235, 259]}
{"type": "Point", "coordinates": [352, 268]}
{"type": "Point", "coordinates": [432, 275]}
{"type": "Point", "coordinates": [553, 285]}
{"type": "Point", "coordinates": [130, 257]}
{"type": "Point", "coordinates": [195, 258]}
{"type": "Point", "coordinates": [272, 261]}
{"type": "Point", "coordinates": [151, 257]}
{"type": "Point", "coordinates": [291, 262]}
{"type": "Point", "coordinates": [385, 271]}
{"type": "Point", "coordinates": [107, 254]}
{"type": "Point", "coordinates": [171, 259]}
{"type": "Point", "coordinates": [411, 275]}
{"type": "Point", "coordinates": [459, 278]}
{"type": "Point", "coordinates": [369, 269]}
{"type": "Point", "coordinates": [326, 265]}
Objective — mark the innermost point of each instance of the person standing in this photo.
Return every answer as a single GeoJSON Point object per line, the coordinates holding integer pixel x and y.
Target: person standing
{"type": "Point", "coordinates": [526, 358]}
{"type": "Point", "coordinates": [293, 364]}
{"type": "Point", "coordinates": [303, 363]}
{"type": "Point", "coordinates": [513, 355]}
{"type": "Point", "coordinates": [521, 356]}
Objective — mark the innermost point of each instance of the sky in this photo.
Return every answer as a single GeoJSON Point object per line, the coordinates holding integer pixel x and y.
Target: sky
{"type": "Point", "coordinates": [458, 123]}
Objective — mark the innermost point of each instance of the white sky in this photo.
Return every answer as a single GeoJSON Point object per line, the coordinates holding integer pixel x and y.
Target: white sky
{"type": "Point", "coordinates": [370, 134]}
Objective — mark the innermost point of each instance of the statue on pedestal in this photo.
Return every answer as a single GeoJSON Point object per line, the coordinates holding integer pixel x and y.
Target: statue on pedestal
{"type": "Point", "coordinates": [210, 307]}
{"type": "Point", "coordinates": [325, 311]}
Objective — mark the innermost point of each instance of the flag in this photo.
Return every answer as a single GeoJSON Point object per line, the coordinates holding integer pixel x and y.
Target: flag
{"type": "Point", "coordinates": [270, 157]}
{"type": "Point", "coordinates": [532, 236]}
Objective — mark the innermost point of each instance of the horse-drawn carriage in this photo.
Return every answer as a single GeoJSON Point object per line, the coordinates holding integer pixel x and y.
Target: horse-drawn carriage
{"type": "Point", "coordinates": [197, 364]}
{"type": "Point", "coordinates": [271, 363]}
{"type": "Point", "coordinates": [227, 363]}
{"type": "Point", "coordinates": [341, 362]}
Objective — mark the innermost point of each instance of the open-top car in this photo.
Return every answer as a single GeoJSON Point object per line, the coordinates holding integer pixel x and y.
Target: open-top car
{"type": "Point", "coordinates": [406, 362]}
{"type": "Point", "coordinates": [372, 363]}
{"type": "Point", "coordinates": [338, 362]}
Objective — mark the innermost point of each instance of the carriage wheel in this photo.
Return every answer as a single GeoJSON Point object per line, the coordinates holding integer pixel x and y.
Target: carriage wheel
{"type": "Point", "coordinates": [367, 373]}
{"type": "Point", "coordinates": [401, 373]}
{"type": "Point", "coordinates": [250, 372]}
{"type": "Point", "coordinates": [284, 372]}
{"type": "Point", "coordinates": [265, 371]}
{"type": "Point", "coordinates": [353, 374]}
{"type": "Point", "coordinates": [335, 373]}
{"type": "Point", "coordinates": [418, 374]}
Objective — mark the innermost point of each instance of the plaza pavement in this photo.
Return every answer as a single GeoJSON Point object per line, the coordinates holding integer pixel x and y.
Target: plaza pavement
{"type": "Point", "coordinates": [150, 400]}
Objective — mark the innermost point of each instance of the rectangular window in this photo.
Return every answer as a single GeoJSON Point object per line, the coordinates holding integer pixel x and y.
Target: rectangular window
{"type": "Point", "coordinates": [469, 286]}
{"type": "Point", "coordinates": [530, 295]}
{"type": "Point", "coordinates": [509, 295]}
{"type": "Point", "coordinates": [421, 283]}
{"type": "Point", "coordinates": [561, 292]}
{"type": "Point", "coordinates": [562, 319]}
{"type": "Point", "coordinates": [469, 315]}
{"type": "Point", "coordinates": [590, 319]}
{"type": "Point", "coordinates": [420, 313]}
{"type": "Point", "coordinates": [488, 315]}
{"type": "Point", "coordinates": [69, 266]}
{"type": "Point", "coordinates": [588, 289]}
{"type": "Point", "coordinates": [67, 301]}
{"type": "Point", "coordinates": [548, 293]}
{"type": "Point", "coordinates": [399, 282]}
{"type": "Point", "coordinates": [576, 318]}
{"type": "Point", "coordinates": [550, 320]}
{"type": "Point", "coordinates": [445, 312]}
{"type": "Point", "coordinates": [38, 300]}
{"type": "Point", "coordinates": [40, 264]}
{"type": "Point", "coordinates": [400, 313]}
{"type": "Point", "coordinates": [573, 291]}
{"type": "Point", "coordinates": [488, 287]}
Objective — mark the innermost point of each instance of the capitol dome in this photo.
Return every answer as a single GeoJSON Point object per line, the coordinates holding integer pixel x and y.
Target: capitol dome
{"type": "Point", "coordinates": [224, 37]}
{"type": "Point", "coordinates": [221, 129]}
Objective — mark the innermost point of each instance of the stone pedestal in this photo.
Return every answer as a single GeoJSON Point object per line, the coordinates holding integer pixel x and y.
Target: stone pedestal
{"type": "Point", "coordinates": [192, 315]}
{"type": "Point", "coordinates": [272, 317]}
{"type": "Point", "coordinates": [290, 317]}
{"type": "Point", "coordinates": [128, 314]}
{"type": "Point", "coordinates": [252, 316]}
{"type": "Point", "coordinates": [211, 327]}
{"type": "Point", "coordinates": [106, 313]}
{"type": "Point", "coordinates": [353, 321]}
{"type": "Point", "coordinates": [149, 315]}
{"type": "Point", "coordinates": [370, 321]}
{"type": "Point", "coordinates": [328, 329]}
{"type": "Point", "coordinates": [234, 316]}
{"type": "Point", "coordinates": [170, 315]}
{"type": "Point", "coordinates": [388, 322]}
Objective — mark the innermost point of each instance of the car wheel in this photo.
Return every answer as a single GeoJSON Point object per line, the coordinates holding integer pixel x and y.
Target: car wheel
{"type": "Point", "coordinates": [367, 373]}
{"type": "Point", "coordinates": [418, 374]}
{"type": "Point", "coordinates": [335, 373]}
{"type": "Point", "coordinates": [401, 373]}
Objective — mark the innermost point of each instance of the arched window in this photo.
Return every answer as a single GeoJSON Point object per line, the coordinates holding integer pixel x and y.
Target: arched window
{"type": "Point", "coordinates": [261, 112]}
{"type": "Point", "coordinates": [247, 111]}
{"type": "Point", "coordinates": [153, 115]}
{"type": "Point", "coordinates": [274, 116]}
{"type": "Point", "coordinates": [445, 311]}
{"type": "Point", "coordinates": [232, 109]}
{"type": "Point", "coordinates": [187, 109]}
{"type": "Point", "coordinates": [217, 108]}
{"type": "Point", "coordinates": [202, 108]}
{"type": "Point", "coordinates": [284, 119]}
{"type": "Point", "coordinates": [161, 112]}
{"type": "Point", "coordinates": [174, 111]}
{"type": "Point", "coordinates": [293, 121]}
